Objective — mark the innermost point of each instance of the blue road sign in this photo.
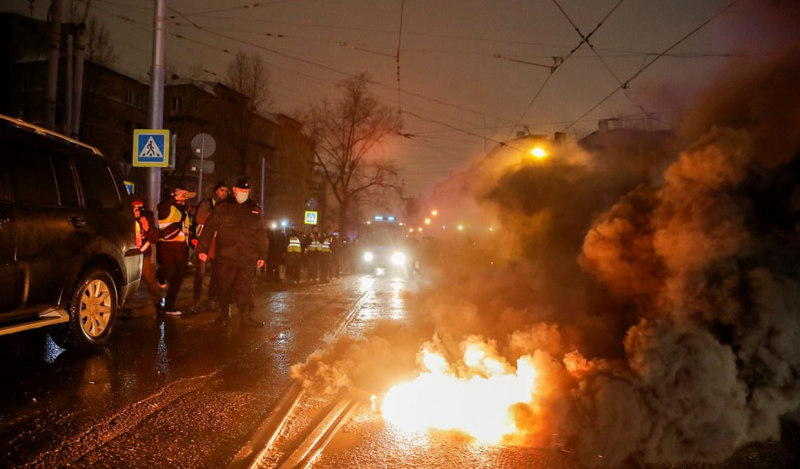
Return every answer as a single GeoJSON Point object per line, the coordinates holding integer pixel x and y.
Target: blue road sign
{"type": "Point", "coordinates": [311, 217]}
{"type": "Point", "coordinates": [151, 148]}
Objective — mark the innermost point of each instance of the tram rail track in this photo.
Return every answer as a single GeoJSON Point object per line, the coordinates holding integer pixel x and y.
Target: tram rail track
{"type": "Point", "coordinates": [299, 452]}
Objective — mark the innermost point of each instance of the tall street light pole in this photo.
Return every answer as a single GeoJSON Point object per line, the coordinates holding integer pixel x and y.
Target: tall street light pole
{"type": "Point", "coordinates": [153, 195]}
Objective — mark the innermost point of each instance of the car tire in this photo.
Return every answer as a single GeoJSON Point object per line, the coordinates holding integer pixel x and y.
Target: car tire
{"type": "Point", "coordinates": [93, 307]}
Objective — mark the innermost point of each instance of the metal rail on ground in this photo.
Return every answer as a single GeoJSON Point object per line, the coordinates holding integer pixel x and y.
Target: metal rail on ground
{"type": "Point", "coordinates": [258, 447]}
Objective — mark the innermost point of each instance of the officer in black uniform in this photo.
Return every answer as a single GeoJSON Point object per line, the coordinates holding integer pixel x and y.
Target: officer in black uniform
{"type": "Point", "coordinates": [241, 247]}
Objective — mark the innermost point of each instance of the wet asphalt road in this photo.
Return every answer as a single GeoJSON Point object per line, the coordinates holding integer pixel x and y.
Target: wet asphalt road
{"type": "Point", "coordinates": [184, 393]}
{"type": "Point", "coordinates": [164, 392]}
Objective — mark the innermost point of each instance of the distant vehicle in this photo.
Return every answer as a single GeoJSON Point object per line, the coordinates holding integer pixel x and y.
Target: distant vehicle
{"type": "Point", "coordinates": [68, 257]}
{"type": "Point", "coordinates": [381, 245]}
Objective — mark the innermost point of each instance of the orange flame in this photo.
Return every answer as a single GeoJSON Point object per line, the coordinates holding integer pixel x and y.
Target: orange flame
{"type": "Point", "coordinates": [475, 399]}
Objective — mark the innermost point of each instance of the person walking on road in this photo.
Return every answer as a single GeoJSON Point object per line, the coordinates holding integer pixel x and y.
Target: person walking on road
{"type": "Point", "coordinates": [146, 238]}
{"type": "Point", "coordinates": [203, 211]}
{"type": "Point", "coordinates": [241, 247]}
{"type": "Point", "coordinates": [173, 244]}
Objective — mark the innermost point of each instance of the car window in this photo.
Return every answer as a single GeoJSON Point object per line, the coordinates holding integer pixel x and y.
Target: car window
{"type": "Point", "coordinates": [32, 179]}
{"type": "Point", "coordinates": [65, 180]}
{"type": "Point", "coordinates": [99, 187]}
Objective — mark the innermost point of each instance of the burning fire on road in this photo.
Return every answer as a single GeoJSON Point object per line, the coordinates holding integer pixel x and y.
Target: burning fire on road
{"type": "Point", "coordinates": [475, 396]}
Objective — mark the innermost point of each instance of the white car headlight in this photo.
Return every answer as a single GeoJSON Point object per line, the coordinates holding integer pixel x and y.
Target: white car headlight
{"type": "Point", "coordinates": [398, 258]}
{"type": "Point", "coordinates": [368, 257]}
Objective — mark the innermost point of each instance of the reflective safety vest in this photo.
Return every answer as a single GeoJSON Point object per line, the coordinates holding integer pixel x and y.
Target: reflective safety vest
{"type": "Point", "coordinates": [325, 245]}
{"type": "Point", "coordinates": [294, 245]}
{"type": "Point", "coordinates": [141, 241]}
{"type": "Point", "coordinates": [315, 245]}
{"type": "Point", "coordinates": [180, 221]}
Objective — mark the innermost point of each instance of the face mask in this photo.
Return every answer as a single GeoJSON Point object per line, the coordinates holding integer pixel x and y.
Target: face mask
{"type": "Point", "coordinates": [241, 196]}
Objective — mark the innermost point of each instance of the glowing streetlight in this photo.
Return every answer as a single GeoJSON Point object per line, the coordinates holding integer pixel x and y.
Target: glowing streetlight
{"type": "Point", "coordinates": [427, 221]}
{"type": "Point", "coordinates": [460, 227]}
{"type": "Point", "coordinates": [538, 152]}
{"type": "Point", "coordinates": [434, 212]}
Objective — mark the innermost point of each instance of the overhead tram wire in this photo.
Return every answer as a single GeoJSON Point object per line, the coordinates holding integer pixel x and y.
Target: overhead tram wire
{"type": "Point", "coordinates": [591, 47]}
{"type": "Point", "coordinates": [457, 129]}
{"type": "Point", "coordinates": [182, 37]}
{"type": "Point", "coordinates": [467, 132]}
{"type": "Point", "coordinates": [558, 63]}
{"type": "Point", "coordinates": [406, 33]}
{"type": "Point", "coordinates": [316, 78]}
{"type": "Point", "coordinates": [647, 65]}
{"type": "Point", "coordinates": [257, 46]}
{"type": "Point", "coordinates": [246, 6]}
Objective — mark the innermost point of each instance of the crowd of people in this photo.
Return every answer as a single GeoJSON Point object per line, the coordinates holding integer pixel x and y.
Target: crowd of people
{"type": "Point", "coordinates": [316, 256]}
{"type": "Point", "coordinates": [231, 243]}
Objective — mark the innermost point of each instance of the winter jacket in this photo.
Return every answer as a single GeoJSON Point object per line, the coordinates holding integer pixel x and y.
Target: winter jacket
{"type": "Point", "coordinates": [241, 235]}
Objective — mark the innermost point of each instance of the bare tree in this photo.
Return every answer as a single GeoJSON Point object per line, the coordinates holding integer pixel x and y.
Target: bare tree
{"type": "Point", "coordinates": [248, 75]}
{"type": "Point", "coordinates": [346, 132]}
{"type": "Point", "coordinates": [99, 48]}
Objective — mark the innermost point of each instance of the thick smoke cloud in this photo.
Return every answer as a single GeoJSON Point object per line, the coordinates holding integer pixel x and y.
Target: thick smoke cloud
{"type": "Point", "coordinates": [653, 278]}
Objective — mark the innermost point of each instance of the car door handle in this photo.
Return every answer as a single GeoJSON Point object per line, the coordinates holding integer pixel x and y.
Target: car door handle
{"type": "Point", "coordinates": [77, 222]}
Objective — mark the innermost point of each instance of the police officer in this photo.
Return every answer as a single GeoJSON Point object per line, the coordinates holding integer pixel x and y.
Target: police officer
{"type": "Point", "coordinates": [294, 253]}
{"type": "Point", "coordinates": [313, 252]}
{"type": "Point", "coordinates": [241, 247]}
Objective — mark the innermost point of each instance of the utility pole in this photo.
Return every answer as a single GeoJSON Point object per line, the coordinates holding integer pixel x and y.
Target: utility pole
{"type": "Point", "coordinates": [53, 55]}
{"type": "Point", "coordinates": [77, 91]}
{"type": "Point", "coordinates": [153, 195]}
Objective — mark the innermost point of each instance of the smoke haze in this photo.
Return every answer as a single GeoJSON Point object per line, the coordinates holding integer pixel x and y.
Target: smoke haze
{"type": "Point", "coordinates": [653, 278]}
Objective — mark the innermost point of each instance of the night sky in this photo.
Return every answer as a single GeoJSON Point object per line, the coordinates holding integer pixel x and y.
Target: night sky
{"type": "Point", "coordinates": [471, 73]}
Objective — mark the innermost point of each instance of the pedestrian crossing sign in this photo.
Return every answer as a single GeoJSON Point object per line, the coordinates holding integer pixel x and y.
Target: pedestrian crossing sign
{"type": "Point", "coordinates": [151, 148]}
{"type": "Point", "coordinates": [311, 217]}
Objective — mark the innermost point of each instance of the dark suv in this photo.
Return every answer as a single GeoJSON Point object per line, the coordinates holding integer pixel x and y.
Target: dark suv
{"type": "Point", "coordinates": [68, 257]}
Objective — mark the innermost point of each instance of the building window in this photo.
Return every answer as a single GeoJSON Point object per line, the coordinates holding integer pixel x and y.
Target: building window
{"type": "Point", "coordinates": [177, 103]}
{"type": "Point", "coordinates": [25, 82]}
{"type": "Point", "coordinates": [129, 97]}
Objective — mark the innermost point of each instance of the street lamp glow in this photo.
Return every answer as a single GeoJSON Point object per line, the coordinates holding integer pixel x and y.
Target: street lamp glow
{"type": "Point", "coordinates": [460, 227]}
{"type": "Point", "coordinates": [427, 221]}
{"type": "Point", "coordinates": [538, 152]}
{"type": "Point", "coordinates": [434, 212]}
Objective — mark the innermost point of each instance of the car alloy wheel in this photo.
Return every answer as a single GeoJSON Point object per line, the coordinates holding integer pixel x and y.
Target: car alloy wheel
{"type": "Point", "coordinates": [95, 308]}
